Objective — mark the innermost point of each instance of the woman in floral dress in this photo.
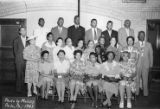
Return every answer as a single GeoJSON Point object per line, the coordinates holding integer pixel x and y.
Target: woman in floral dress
{"type": "Point", "coordinates": [92, 76]}
{"type": "Point", "coordinates": [77, 74]}
{"type": "Point", "coordinates": [127, 83]}
{"type": "Point", "coordinates": [32, 55]}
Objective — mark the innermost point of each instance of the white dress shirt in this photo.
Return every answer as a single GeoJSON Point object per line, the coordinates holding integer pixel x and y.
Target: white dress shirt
{"type": "Point", "coordinates": [59, 29]}
{"type": "Point", "coordinates": [109, 32]}
{"type": "Point", "coordinates": [127, 31]}
{"type": "Point", "coordinates": [41, 33]}
{"type": "Point", "coordinates": [94, 29]}
{"type": "Point", "coordinates": [23, 40]}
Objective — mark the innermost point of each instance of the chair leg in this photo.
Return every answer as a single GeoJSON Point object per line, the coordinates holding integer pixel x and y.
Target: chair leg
{"type": "Point", "coordinates": [53, 93]}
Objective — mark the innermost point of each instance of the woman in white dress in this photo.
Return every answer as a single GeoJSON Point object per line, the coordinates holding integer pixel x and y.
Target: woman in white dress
{"type": "Point", "coordinates": [49, 45]}
{"type": "Point", "coordinates": [110, 73]}
{"type": "Point", "coordinates": [59, 46]}
{"type": "Point", "coordinates": [69, 49]}
{"type": "Point", "coordinates": [61, 67]}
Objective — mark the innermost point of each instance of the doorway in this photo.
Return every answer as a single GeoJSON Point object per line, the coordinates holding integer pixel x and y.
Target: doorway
{"type": "Point", "coordinates": [8, 32]}
{"type": "Point", "coordinates": [153, 36]}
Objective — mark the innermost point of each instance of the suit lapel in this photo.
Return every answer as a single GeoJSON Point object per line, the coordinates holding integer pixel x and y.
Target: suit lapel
{"type": "Point", "coordinates": [20, 42]}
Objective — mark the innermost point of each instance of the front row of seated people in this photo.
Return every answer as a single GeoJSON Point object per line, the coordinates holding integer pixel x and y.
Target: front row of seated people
{"type": "Point", "coordinates": [92, 76]}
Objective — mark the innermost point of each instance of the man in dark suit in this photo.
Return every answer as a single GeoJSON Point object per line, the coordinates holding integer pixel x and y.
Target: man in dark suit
{"type": "Point", "coordinates": [76, 32]}
{"type": "Point", "coordinates": [108, 33]}
{"type": "Point", "coordinates": [59, 30]}
{"type": "Point", "coordinates": [18, 46]}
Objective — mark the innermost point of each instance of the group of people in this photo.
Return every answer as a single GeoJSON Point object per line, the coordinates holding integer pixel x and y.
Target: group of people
{"type": "Point", "coordinates": [83, 61]}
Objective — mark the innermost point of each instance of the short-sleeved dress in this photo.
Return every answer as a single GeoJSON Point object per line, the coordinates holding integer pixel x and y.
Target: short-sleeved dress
{"type": "Point", "coordinates": [110, 70]}
{"type": "Point", "coordinates": [32, 55]}
{"type": "Point", "coordinates": [92, 71]}
{"type": "Point", "coordinates": [47, 69]}
{"type": "Point", "coordinates": [127, 69]}
{"type": "Point", "coordinates": [77, 73]}
{"type": "Point", "coordinates": [62, 69]}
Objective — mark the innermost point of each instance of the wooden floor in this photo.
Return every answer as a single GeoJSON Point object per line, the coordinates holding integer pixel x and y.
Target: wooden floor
{"type": "Point", "coordinates": [150, 102]}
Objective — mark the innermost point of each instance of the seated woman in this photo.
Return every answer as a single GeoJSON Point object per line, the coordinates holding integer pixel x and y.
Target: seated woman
{"type": "Point", "coordinates": [32, 55]}
{"type": "Point", "coordinates": [49, 45]}
{"type": "Point", "coordinates": [76, 72]}
{"type": "Point", "coordinates": [46, 74]}
{"type": "Point", "coordinates": [61, 73]}
{"type": "Point", "coordinates": [88, 50]}
{"type": "Point", "coordinates": [127, 83]}
{"type": "Point", "coordinates": [92, 76]}
{"type": "Point", "coordinates": [115, 47]}
{"type": "Point", "coordinates": [69, 49]}
{"type": "Point", "coordinates": [110, 74]}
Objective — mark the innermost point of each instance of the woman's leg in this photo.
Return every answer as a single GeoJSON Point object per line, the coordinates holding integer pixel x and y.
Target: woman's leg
{"type": "Point", "coordinates": [35, 88]}
{"type": "Point", "coordinates": [109, 95]}
{"type": "Point", "coordinates": [90, 91]}
{"type": "Point", "coordinates": [76, 91]}
{"type": "Point", "coordinates": [62, 91]}
{"type": "Point", "coordinates": [43, 89]}
{"type": "Point", "coordinates": [95, 90]}
{"type": "Point", "coordinates": [58, 90]}
{"type": "Point", "coordinates": [129, 94]}
{"type": "Point", "coordinates": [47, 89]}
{"type": "Point", "coordinates": [122, 92]}
{"type": "Point", "coordinates": [72, 88]}
{"type": "Point", "coordinates": [29, 89]}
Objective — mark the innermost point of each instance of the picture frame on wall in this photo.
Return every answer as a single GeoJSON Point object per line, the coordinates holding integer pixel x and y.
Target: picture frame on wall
{"type": "Point", "coordinates": [134, 1]}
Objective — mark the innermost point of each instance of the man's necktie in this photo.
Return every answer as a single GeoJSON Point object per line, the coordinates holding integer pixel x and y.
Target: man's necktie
{"type": "Point", "coordinates": [95, 34]}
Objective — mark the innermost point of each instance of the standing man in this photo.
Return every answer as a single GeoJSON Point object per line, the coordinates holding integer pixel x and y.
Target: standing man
{"type": "Point", "coordinates": [18, 46]}
{"type": "Point", "coordinates": [145, 62]}
{"type": "Point", "coordinates": [41, 33]}
{"type": "Point", "coordinates": [59, 30]}
{"type": "Point", "coordinates": [93, 33]}
{"type": "Point", "coordinates": [76, 32]}
{"type": "Point", "coordinates": [123, 33]}
{"type": "Point", "coordinates": [108, 33]}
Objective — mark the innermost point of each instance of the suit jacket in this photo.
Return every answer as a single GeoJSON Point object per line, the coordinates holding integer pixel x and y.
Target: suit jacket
{"type": "Point", "coordinates": [89, 35]}
{"type": "Point", "coordinates": [76, 34]}
{"type": "Point", "coordinates": [18, 48]}
{"type": "Point", "coordinates": [107, 37]}
{"type": "Point", "coordinates": [122, 36]}
{"type": "Point", "coordinates": [56, 33]}
{"type": "Point", "coordinates": [145, 60]}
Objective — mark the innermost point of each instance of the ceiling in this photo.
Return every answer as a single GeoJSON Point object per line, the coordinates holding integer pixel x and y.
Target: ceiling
{"type": "Point", "coordinates": [10, 7]}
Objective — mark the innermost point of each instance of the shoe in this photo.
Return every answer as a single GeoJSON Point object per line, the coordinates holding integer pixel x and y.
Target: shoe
{"type": "Point", "coordinates": [121, 105]}
{"type": "Point", "coordinates": [29, 95]}
{"type": "Point", "coordinates": [129, 105]}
